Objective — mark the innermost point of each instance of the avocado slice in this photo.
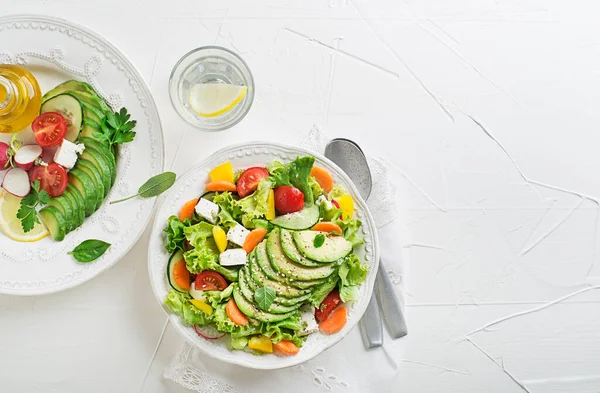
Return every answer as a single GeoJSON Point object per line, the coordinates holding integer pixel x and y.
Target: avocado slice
{"type": "Point", "coordinates": [250, 310]}
{"type": "Point", "coordinates": [291, 251]}
{"type": "Point", "coordinates": [334, 247]}
{"type": "Point", "coordinates": [260, 280]}
{"type": "Point", "coordinates": [248, 293]}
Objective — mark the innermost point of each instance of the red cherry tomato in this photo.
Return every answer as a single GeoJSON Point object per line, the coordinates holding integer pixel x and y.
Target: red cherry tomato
{"type": "Point", "coordinates": [53, 178]}
{"type": "Point", "coordinates": [331, 302]}
{"type": "Point", "coordinates": [248, 181]}
{"type": "Point", "coordinates": [49, 128]}
{"type": "Point", "coordinates": [288, 199]}
{"type": "Point", "coordinates": [210, 281]}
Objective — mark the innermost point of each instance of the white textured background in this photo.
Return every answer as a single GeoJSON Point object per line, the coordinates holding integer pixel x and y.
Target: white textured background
{"type": "Point", "coordinates": [488, 110]}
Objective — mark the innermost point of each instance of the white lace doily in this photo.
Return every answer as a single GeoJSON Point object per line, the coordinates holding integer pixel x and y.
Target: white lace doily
{"type": "Point", "coordinates": [341, 368]}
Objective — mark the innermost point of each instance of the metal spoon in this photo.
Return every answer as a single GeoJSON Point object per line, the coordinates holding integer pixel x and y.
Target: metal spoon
{"type": "Point", "coordinates": [349, 156]}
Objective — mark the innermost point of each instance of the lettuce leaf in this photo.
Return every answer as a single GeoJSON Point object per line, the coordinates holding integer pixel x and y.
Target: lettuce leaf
{"type": "Point", "coordinates": [322, 290]}
{"type": "Point", "coordinates": [317, 190]}
{"type": "Point", "coordinates": [179, 304]}
{"type": "Point", "coordinates": [255, 206]}
{"type": "Point", "coordinates": [296, 173]}
{"type": "Point", "coordinates": [284, 330]}
{"type": "Point", "coordinates": [205, 256]}
{"type": "Point", "coordinates": [352, 273]}
{"type": "Point", "coordinates": [175, 234]}
{"type": "Point", "coordinates": [196, 234]}
{"type": "Point", "coordinates": [350, 226]}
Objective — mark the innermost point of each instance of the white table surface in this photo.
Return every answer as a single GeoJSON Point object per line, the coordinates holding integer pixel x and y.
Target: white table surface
{"type": "Point", "coordinates": [501, 217]}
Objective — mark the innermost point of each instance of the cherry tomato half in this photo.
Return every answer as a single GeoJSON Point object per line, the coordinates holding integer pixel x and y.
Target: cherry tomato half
{"type": "Point", "coordinates": [288, 199]}
{"type": "Point", "coordinates": [329, 304]}
{"type": "Point", "coordinates": [49, 128]}
{"type": "Point", "coordinates": [53, 178]}
{"type": "Point", "coordinates": [248, 181]}
{"type": "Point", "coordinates": [210, 281]}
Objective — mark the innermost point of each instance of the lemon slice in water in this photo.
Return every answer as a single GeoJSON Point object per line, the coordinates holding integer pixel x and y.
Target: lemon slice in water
{"type": "Point", "coordinates": [214, 99]}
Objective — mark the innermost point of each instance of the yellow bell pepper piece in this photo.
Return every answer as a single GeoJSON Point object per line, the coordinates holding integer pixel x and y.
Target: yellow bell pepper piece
{"type": "Point", "coordinates": [202, 306]}
{"type": "Point", "coordinates": [271, 205]}
{"type": "Point", "coordinates": [261, 343]}
{"type": "Point", "coordinates": [222, 172]}
{"type": "Point", "coordinates": [346, 204]}
{"type": "Point", "coordinates": [220, 238]}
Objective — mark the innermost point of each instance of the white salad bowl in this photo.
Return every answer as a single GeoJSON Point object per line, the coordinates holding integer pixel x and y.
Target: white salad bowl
{"type": "Point", "coordinates": [191, 185]}
{"type": "Point", "coordinates": [56, 50]}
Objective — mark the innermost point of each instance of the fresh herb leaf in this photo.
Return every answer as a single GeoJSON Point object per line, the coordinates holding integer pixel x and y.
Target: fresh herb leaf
{"type": "Point", "coordinates": [89, 250]}
{"type": "Point", "coordinates": [155, 186]}
{"type": "Point", "coordinates": [116, 128]}
{"type": "Point", "coordinates": [27, 212]}
{"type": "Point", "coordinates": [319, 240]}
{"type": "Point", "coordinates": [264, 297]}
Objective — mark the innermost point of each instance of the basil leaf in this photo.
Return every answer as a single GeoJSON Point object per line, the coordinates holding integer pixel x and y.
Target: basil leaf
{"type": "Point", "coordinates": [89, 250]}
{"type": "Point", "coordinates": [319, 240]}
{"type": "Point", "coordinates": [264, 297]}
{"type": "Point", "coordinates": [155, 186]}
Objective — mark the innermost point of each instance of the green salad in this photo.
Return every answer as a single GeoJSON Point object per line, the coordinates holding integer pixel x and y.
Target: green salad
{"type": "Point", "coordinates": [265, 257]}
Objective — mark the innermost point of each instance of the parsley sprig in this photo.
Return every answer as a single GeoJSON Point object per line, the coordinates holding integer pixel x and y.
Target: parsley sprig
{"type": "Point", "coordinates": [27, 212]}
{"type": "Point", "coordinates": [116, 128]}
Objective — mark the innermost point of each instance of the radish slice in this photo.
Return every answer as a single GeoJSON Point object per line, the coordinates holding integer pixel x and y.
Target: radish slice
{"type": "Point", "coordinates": [16, 181]}
{"type": "Point", "coordinates": [4, 158]}
{"type": "Point", "coordinates": [208, 332]}
{"type": "Point", "coordinates": [26, 156]}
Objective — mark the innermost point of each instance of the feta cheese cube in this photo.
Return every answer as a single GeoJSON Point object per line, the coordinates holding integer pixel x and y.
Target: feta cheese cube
{"type": "Point", "coordinates": [233, 257]}
{"type": "Point", "coordinates": [307, 318]}
{"type": "Point", "coordinates": [66, 154]}
{"type": "Point", "coordinates": [207, 210]}
{"type": "Point", "coordinates": [322, 200]}
{"type": "Point", "coordinates": [237, 235]}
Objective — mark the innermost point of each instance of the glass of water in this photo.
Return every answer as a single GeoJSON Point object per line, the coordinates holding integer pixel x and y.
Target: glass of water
{"type": "Point", "coordinates": [210, 65]}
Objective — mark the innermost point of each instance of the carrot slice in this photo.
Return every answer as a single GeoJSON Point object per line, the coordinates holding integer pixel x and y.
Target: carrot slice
{"type": "Point", "coordinates": [221, 185]}
{"type": "Point", "coordinates": [187, 210]}
{"type": "Point", "coordinates": [286, 348]}
{"type": "Point", "coordinates": [335, 322]}
{"type": "Point", "coordinates": [254, 237]}
{"type": "Point", "coordinates": [326, 226]}
{"type": "Point", "coordinates": [322, 177]}
{"type": "Point", "coordinates": [181, 275]}
{"type": "Point", "coordinates": [234, 313]}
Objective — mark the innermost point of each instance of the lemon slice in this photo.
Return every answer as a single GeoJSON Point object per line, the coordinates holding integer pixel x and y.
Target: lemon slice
{"type": "Point", "coordinates": [214, 99]}
{"type": "Point", "coordinates": [11, 225]}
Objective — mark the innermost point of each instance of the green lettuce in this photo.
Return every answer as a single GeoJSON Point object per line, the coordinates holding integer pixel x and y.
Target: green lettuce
{"type": "Point", "coordinates": [352, 273]}
{"type": "Point", "coordinates": [350, 226]}
{"type": "Point", "coordinates": [205, 256]}
{"type": "Point", "coordinates": [228, 203]}
{"type": "Point", "coordinates": [284, 330]}
{"type": "Point", "coordinates": [296, 173]}
{"type": "Point", "coordinates": [322, 290]}
{"type": "Point", "coordinates": [179, 304]}
{"type": "Point", "coordinates": [336, 192]}
{"type": "Point", "coordinates": [196, 234]}
{"type": "Point", "coordinates": [175, 234]}
{"type": "Point", "coordinates": [316, 188]}
{"type": "Point", "coordinates": [255, 206]}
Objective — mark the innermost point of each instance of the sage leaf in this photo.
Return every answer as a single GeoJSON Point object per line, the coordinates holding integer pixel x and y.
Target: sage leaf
{"type": "Point", "coordinates": [89, 250]}
{"type": "Point", "coordinates": [155, 186]}
{"type": "Point", "coordinates": [264, 297]}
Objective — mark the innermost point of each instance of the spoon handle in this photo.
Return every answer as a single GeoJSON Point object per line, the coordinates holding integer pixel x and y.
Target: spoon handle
{"type": "Point", "coordinates": [390, 303]}
{"type": "Point", "coordinates": [371, 327]}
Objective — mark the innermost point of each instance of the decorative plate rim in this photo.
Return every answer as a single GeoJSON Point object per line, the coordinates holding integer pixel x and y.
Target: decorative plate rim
{"type": "Point", "coordinates": [231, 357]}
{"type": "Point", "coordinates": [104, 47]}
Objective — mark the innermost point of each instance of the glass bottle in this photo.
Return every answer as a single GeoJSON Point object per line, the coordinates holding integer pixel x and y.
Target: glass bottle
{"type": "Point", "coordinates": [20, 98]}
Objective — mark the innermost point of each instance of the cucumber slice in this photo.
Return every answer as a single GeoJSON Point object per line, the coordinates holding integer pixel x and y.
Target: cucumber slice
{"type": "Point", "coordinates": [63, 205]}
{"type": "Point", "coordinates": [290, 250]}
{"type": "Point", "coordinates": [175, 258]}
{"type": "Point", "coordinates": [334, 247]}
{"type": "Point", "coordinates": [70, 85]}
{"type": "Point", "coordinates": [71, 109]}
{"type": "Point", "coordinates": [54, 221]}
{"type": "Point", "coordinates": [94, 173]}
{"type": "Point", "coordinates": [85, 185]}
{"type": "Point", "coordinates": [80, 203]}
{"type": "Point", "coordinates": [303, 219]}
{"type": "Point", "coordinates": [93, 99]}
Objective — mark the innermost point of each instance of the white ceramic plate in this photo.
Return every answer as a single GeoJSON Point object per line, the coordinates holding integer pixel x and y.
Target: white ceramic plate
{"type": "Point", "coordinates": [191, 185]}
{"type": "Point", "coordinates": [56, 50]}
